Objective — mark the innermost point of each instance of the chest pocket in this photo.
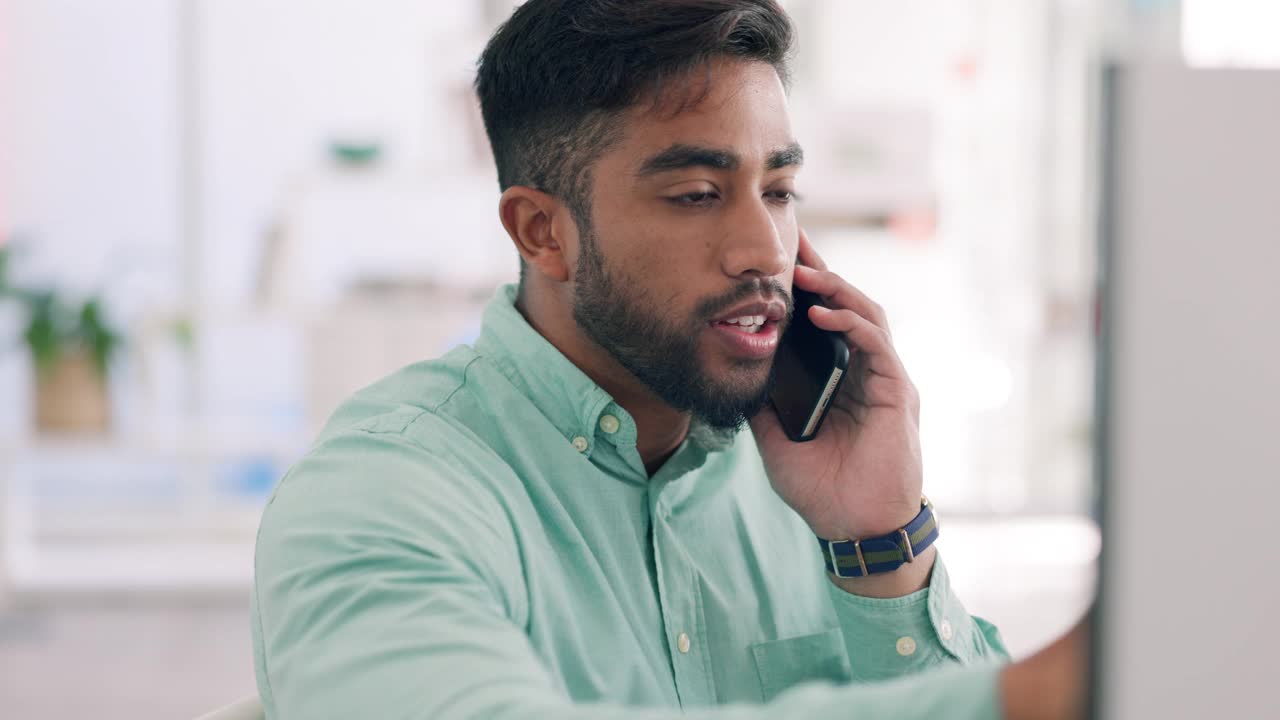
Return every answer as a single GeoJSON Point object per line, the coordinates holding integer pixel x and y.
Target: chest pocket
{"type": "Point", "coordinates": [782, 664]}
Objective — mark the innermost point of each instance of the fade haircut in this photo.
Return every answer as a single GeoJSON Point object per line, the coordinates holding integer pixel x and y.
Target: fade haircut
{"type": "Point", "coordinates": [555, 77]}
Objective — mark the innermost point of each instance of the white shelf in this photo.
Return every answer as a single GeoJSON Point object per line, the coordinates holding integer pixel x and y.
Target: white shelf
{"type": "Point", "coordinates": [174, 510]}
{"type": "Point", "coordinates": [132, 567]}
{"type": "Point", "coordinates": [175, 442]}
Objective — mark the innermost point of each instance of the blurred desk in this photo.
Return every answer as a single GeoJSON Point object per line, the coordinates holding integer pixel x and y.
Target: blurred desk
{"type": "Point", "coordinates": [165, 511]}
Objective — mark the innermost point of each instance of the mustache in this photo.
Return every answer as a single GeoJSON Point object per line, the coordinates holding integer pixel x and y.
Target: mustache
{"type": "Point", "coordinates": [764, 287]}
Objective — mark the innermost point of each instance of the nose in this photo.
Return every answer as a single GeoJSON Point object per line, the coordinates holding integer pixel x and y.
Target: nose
{"type": "Point", "coordinates": [754, 245]}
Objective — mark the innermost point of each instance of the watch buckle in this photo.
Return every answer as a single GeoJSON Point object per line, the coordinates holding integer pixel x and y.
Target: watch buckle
{"type": "Point", "coordinates": [906, 545]}
{"type": "Point", "coordinates": [857, 549]}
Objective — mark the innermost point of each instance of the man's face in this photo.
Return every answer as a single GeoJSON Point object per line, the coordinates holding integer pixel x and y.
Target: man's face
{"type": "Point", "coordinates": [691, 243]}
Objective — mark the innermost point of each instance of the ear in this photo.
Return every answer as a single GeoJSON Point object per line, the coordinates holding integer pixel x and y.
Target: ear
{"type": "Point", "coordinates": [534, 221]}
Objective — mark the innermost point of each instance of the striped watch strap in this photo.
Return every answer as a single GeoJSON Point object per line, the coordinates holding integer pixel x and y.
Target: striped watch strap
{"type": "Point", "coordinates": [870, 556]}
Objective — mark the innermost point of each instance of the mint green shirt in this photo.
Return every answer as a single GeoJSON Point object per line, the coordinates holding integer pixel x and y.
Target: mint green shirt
{"type": "Point", "coordinates": [476, 537]}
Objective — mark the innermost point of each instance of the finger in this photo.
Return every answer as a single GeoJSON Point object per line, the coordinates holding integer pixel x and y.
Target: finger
{"type": "Point", "coordinates": [764, 424]}
{"type": "Point", "coordinates": [866, 391]}
{"type": "Point", "coordinates": [880, 391]}
{"type": "Point", "coordinates": [865, 336]}
{"type": "Point", "coordinates": [807, 255]}
{"type": "Point", "coordinates": [766, 427]}
{"type": "Point", "coordinates": [858, 396]}
{"type": "Point", "coordinates": [840, 294]}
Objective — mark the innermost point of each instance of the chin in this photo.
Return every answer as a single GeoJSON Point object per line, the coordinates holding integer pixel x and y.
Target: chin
{"type": "Point", "coordinates": [728, 366]}
{"type": "Point", "coordinates": [738, 376]}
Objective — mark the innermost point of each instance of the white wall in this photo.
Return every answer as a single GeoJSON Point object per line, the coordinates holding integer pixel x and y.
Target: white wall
{"type": "Point", "coordinates": [283, 78]}
{"type": "Point", "coordinates": [91, 131]}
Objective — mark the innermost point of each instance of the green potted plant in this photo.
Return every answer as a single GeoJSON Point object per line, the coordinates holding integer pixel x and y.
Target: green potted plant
{"type": "Point", "coordinates": [71, 346]}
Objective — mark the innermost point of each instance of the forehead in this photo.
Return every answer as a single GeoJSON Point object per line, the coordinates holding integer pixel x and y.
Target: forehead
{"type": "Point", "coordinates": [741, 105]}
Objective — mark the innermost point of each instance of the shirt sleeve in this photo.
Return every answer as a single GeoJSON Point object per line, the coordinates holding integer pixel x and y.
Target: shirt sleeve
{"type": "Point", "coordinates": [388, 587]}
{"type": "Point", "coordinates": [894, 637]}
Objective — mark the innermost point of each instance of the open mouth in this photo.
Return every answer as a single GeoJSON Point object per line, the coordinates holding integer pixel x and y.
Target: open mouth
{"type": "Point", "coordinates": [753, 337]}
{"type": "Point", "coordinates": [750, 324]}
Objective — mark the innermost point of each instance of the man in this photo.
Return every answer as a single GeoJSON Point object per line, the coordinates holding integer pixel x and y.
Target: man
{"type": "Point", "coordinates": [571, 519]}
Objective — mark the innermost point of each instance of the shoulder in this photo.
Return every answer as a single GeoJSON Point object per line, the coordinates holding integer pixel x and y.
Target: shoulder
{"type": "Point", "coordinates": [407, 465]}
{"type": "Point", "coordinates": [403, 394]}
{"type": "Point", "coordinates": [375, 499]}
{"type": "Point", "coordinates": [395, 465]}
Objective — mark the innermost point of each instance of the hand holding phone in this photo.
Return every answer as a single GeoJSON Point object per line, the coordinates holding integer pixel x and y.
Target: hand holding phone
{"type": "Point", "coordinates": [861, 474]}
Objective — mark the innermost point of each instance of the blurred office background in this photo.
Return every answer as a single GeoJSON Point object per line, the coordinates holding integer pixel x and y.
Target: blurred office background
{"type": "Point", "coordinates": [219, 217]}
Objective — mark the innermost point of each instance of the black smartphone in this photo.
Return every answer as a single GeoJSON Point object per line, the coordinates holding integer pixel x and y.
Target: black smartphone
{"type": "Point", "coordinates": [809, 367]}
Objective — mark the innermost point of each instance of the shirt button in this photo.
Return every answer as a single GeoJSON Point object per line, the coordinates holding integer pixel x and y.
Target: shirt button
{"type": "Point", "coordinates": [906, 645]}
{"type": "Point", "coordinates": [580, 444]}
{"type": "Point", "coordinates": [609, 424]}
{"type": "Point", "coordinates": [682, 643]}
{"type": "Point", "coordinates": [946, 630]}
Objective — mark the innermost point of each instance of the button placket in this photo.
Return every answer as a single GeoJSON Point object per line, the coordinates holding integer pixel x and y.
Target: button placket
{"type": "Point", "coordinates": [939, 599]}
{"type": "Point", "coordinates": [680, 603]}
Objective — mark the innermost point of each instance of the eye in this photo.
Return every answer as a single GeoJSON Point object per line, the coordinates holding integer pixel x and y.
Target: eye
{"type": "Point", "coordinates": [694, 199]}
{"type": "Point", "coordinates": [782, 196]}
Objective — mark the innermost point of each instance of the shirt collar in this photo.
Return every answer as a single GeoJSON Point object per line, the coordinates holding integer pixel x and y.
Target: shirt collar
{"type": "Point", "coordinates": [570, 400]}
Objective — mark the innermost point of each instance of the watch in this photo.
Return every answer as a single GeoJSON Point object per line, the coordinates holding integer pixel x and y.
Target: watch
{"type": "Point", "coordinates": [859, 557]}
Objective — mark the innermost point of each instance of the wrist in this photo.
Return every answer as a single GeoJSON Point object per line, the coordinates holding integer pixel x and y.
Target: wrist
{"type": "Point", "coordinates": [903, 581]}
{"type": "Point", "coordinates": [883, 520]}
{"type": "Point", "coordinates": [885, 554]}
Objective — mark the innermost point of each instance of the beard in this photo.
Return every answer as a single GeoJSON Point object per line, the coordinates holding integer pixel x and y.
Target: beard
{"type": "Point", "coordinates": [661, 350]}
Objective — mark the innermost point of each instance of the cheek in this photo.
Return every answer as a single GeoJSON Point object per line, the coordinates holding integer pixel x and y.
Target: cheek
{"type": "Point", "coordinates": [667, 255]}
{"type": "Point", "coordinates": [668, 259]}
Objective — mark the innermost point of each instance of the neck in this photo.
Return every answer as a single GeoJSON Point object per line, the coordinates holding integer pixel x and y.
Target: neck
{"type": "Point", "coordinates": [660, 428]}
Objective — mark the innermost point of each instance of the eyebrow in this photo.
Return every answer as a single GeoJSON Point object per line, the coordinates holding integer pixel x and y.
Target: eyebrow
{"type": "Point", "coordinates": [789, 156]}
{"type": "Point", "coordinates": [682, 157]}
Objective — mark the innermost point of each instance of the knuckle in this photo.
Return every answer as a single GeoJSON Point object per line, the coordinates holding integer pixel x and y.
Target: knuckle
{"type": "Point", "coordinates": [900, 395]}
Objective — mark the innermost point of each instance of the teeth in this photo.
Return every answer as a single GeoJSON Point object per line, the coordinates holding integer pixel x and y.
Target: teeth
{"type": "Point", "coordinates": [746, 320]}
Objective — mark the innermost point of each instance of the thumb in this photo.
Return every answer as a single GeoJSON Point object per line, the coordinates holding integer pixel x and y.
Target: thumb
{"type": "Point", "coordinates": [765, 424]}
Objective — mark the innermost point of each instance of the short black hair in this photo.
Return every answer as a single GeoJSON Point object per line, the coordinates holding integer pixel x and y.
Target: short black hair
{"type": "Point", "coordinates": [554, 77]}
